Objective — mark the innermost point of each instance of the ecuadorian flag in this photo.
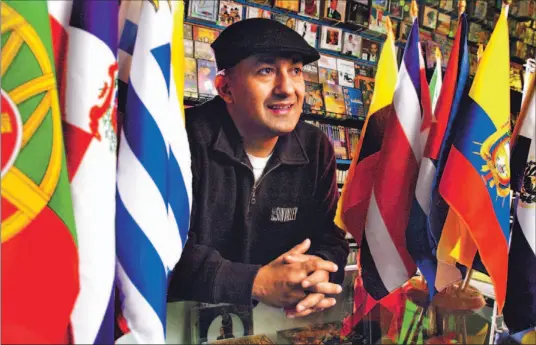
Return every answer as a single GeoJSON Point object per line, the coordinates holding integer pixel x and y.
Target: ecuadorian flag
{"type": "Point", "coordinates": [476, 180]}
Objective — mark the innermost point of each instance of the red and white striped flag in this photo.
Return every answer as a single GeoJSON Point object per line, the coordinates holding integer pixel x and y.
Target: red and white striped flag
{"type": "Point", "coordinates": [385, 260]}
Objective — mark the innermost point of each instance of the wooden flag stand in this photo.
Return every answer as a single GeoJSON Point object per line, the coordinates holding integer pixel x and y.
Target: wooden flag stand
{"type": "Point", "coordinates": [459, 301]}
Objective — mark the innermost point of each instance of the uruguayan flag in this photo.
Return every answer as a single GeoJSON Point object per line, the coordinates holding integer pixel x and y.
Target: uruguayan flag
{"type": "Point", "coordinates": [153, 176]}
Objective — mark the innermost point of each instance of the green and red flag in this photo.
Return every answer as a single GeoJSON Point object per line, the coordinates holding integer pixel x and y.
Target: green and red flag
{"type": "Point", "coordinates": [39, 256]}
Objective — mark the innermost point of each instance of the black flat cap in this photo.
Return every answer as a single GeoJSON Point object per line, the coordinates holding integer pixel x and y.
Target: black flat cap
{"type": "Point", "coordinates": [257, 36]}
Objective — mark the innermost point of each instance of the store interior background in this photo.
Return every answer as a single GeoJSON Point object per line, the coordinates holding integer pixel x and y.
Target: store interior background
{"type": "Point", "coordinates": [438, 21]}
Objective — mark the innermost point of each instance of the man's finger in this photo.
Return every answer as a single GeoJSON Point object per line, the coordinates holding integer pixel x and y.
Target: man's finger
{"type": "Point", "coordinates": [326, 288]}
{"type": "Point", "coordinates": [320, 306]}
{"type": "Point", "coordinates": [315, 265]}
{"type": "Point", "coordinates": [294, 258]}
{"type": "Point", "coordinates": [315, 278]}
{"type": "Point", "coordinates": [301, 248]}
{"type": "Point", "coordinates": [309, 301]}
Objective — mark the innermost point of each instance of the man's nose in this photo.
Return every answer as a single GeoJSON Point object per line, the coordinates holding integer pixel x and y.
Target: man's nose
{"type": "Point", "coordinates": [284, 84]}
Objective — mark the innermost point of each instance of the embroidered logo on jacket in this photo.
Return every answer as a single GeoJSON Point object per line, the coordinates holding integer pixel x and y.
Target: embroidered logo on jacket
{"type": "Point", "coordinates": [283, 214]}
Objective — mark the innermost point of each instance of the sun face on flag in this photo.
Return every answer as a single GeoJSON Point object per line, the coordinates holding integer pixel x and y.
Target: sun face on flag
{"type": "Point", "coordinates": [495, 151]}
{"type": "Point", "coordinates": [528, 189]}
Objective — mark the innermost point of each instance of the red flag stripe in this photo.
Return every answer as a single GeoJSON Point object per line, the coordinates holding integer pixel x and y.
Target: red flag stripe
{"type": "Point", "coordinates": [39, 268]}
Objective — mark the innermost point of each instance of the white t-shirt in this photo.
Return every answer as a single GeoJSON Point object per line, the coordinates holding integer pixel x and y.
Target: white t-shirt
{"type": "Point", "coordinates": [258, 164]}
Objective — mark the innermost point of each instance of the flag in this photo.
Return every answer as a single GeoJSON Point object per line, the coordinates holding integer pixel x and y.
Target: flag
{"type": "Point", "coordinates": [355, 196]}
{"type": "Point", "coordinates": [60, 14]}
{"type": "Point", "coordinates": [436, 81]}
{"type": "Point", "coordinates": [476, 179]}
{"type": "Point", "coordinates": [418, 243]}
{"type": "Point", "coordinates": [152, 219]}
{"type": "Point", "coordinates": [520, 307]}
{"type": "Point", "coordinates": [39, 256]}
{"type": "Point", "coordinates": [386, 263]}
{"type": "Point", "coordinates": [89, 88]}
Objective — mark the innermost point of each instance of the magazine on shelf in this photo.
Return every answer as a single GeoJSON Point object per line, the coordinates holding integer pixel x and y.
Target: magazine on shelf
{"type": "Point", "coordinates": [188, 48]}
{"type": "Point", "coordinates": [310, 72]}
{"type": "Point", "coordinates": [256, 12]}
{"type": "Point", "coordinates": [203, 9]}
{"type": "Point", "coordinates": [346, 71]}
{"type": "Point", "coordinates": [310, 8]}
{"type": "Point", "coordinates": [353, 100]}
{"type": "Point", "coordinates": [328, 76]}
{"type": "Point", "coordinates": [351, 45]}
{"type": "Point", "coordinates": [190, 77]}
{"type": "Point", "coordinates": [187, 31]}
{"type": "Point", "coordinates": [313, 101]}
{"type": "Point", "coordinates": [333, 99]}
{"type": "Point", "coordinates": [307, 30]}
{"type": "Point", "coordinates": [203, 51]}
{"type": "Point", "coordinates": [229, 13]}
{"type": "Point", "coordinates": [204, 34]}
{"type": "Point", "coordinates": [206, 73]}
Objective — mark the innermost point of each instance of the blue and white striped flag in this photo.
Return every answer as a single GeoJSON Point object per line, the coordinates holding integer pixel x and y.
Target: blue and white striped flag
{"type": "Point", "coordinates": [154, 176]}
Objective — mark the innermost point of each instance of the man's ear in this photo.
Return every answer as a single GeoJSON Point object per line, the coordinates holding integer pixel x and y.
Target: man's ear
{"type": "Point", "coordinates": [224, 91]}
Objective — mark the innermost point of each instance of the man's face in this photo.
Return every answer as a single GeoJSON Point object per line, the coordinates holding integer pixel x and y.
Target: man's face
{"type": "Point", "coordinates": [267, 94]}
{"type": "Point", "coordinates": [333, 4]}
{"type": "Point", "coordinates": [373, 49]}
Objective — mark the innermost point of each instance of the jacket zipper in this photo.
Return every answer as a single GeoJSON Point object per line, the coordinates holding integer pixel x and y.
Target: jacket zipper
{"type": "Point", "coordinates": [252, 199]}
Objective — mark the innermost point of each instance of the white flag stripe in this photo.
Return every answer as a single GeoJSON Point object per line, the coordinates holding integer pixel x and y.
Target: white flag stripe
{"type": "Point", "coordinates": [407, 106]}
{"type": "Point", "coordinates": [60, 10]}
{"type": "Point", "coordinates": [96, 240]}
{"type": "Point", "coordinates": [423, 189]}
{"type": "Point", "coordinates": [134, 182]}
{"type": "Point", "coordinates": [388, 261]}
{"type": "Point", "coordinates": [150, 329]}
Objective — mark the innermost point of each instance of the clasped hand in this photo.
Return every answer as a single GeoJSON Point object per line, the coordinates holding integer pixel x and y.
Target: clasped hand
{"type": "Point", "coordinates": [297, 282]}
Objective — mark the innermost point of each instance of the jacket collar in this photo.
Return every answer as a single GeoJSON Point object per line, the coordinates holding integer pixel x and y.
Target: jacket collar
{"type": "Point", "coordinates": [289, 148]}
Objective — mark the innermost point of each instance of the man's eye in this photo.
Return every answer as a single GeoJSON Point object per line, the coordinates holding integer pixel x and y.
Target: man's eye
{"type": "Point", "coordinates": [297, 71]}
{"type": "Point", "coordinates": [266, 71]}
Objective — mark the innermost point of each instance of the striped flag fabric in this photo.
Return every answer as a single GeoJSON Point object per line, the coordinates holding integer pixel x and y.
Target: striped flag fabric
{"type": "Point", "coordinates": [386, 263]}
{"type": "Point", "coordinates": [355, 196]}
{"type": "Point", "coordinates": [89, 88]}
{"type": "Point", "coordinates": [417, 237]}
{"type": "Point", "coordinates": [520, 307]}
{"type": "Point", "coordinates": [480, 157]}
{"type": "Point", "coordinates": [437, 80]}
{"type": "Point", "coordinates": [39, 259]}
{"type": "Point", "coordinates": [152, 219]}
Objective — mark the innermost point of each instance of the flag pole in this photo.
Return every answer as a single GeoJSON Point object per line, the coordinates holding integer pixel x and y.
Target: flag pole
{"type": "Point", "coordinates": [462, 4]}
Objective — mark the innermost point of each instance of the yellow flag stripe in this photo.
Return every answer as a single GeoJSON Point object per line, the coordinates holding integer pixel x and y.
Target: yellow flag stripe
{"type": "Point", "coordinates": [491, 87]}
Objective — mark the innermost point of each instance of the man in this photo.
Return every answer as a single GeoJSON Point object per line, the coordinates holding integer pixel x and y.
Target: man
{"type": "Point", "coordinates": [373, 52]}
{"type": "Point", "coordinates": [350, 46]}
{"type": "Point", "coordinates": [332, 12]}
{"type": "Point", "coordinates": [264, 185]}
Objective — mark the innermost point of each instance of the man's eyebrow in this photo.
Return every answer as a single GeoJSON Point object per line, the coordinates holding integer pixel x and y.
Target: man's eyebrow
{"type": "Point", "coordinates": [265, 59]}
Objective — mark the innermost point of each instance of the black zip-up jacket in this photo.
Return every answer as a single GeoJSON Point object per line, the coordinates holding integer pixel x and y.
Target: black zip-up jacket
{"type": "Point", "coordinates": [238, 225]}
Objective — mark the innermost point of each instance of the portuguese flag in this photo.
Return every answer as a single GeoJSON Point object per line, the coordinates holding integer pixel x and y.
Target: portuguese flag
{"type": "Point", "coordinates": [39, 255]}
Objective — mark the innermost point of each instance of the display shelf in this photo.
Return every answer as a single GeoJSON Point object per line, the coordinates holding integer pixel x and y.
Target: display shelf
{"type": "Point", "coordinates": [345, 120]}
{"type": "Point", "coordinates": [347, 57]}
